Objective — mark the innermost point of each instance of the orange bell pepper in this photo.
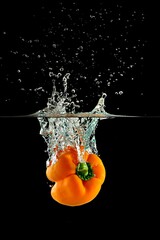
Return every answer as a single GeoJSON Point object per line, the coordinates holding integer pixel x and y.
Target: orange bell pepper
{"type": "Point", "coordinates": [76, 183]}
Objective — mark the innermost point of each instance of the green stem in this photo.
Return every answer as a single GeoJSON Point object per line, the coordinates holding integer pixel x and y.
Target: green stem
{"type": "Point", "coordinates": [84, 171]}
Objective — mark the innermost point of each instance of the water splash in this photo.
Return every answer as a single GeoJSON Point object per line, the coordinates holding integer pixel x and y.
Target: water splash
{"type": "Point", "coordinates": [60, 133]}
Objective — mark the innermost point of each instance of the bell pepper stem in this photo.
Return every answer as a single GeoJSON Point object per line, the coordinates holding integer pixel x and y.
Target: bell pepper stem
{"type": "Point", "coordinates": [84, 170]}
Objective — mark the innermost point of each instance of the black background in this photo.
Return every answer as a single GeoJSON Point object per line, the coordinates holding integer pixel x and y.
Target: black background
{"type": "Point", "coordinates": [128, 202]}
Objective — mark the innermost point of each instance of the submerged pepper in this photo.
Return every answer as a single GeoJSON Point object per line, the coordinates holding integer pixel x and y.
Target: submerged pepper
{"type": "Point", "coordinates": [75, 183]}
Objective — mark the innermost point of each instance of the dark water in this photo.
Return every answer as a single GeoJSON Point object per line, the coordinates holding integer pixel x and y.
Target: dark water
{"type": "Point", "coordinates": [106, 47]}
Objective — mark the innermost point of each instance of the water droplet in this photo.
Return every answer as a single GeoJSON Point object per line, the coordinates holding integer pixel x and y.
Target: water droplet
{"type": "Point", "coordinates": [120, 92]}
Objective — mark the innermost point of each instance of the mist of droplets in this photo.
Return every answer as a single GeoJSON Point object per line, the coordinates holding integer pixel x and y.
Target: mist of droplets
{"type": "Point", "coordinates": [98, 47]}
